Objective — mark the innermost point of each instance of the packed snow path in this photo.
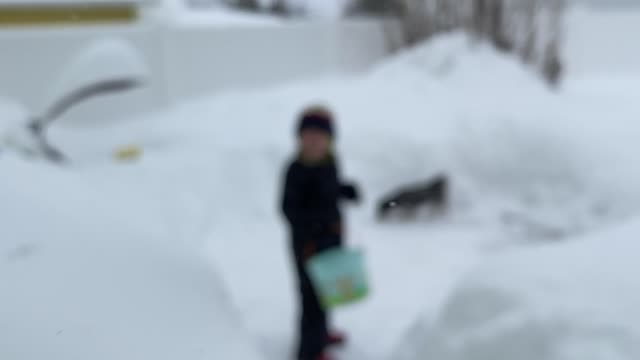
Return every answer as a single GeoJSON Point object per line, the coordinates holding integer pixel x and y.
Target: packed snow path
{"type": "Point", "coordinates": [413, 268]}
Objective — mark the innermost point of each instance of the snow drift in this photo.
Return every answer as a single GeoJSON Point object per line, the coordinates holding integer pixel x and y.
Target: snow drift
{"type": "Point", "coordinates": [573, 301]}
{"type": "Point", "coordinates": [526, 164]}
{"type": "Point", "coordinates": [91, 270]}
{"type": "Point", "coordinates": [560, 167]}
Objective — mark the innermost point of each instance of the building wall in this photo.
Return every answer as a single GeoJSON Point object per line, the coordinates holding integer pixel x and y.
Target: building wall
{"type": "Point", "coordinates": [184, 61]}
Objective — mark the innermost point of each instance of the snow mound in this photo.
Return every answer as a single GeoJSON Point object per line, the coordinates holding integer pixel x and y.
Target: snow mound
{"type": "Point", "coordinates": [458, 59]}
{"type": "Point", "coordinates": [93, 270]}
{"type": "Point", "coordinates": [104, 60]}
{"type": "Point", "coordinates": [518, 153]}
{"type": "Point", "coordinates": [574, 301]}
{"type": "Point", "coordinates": [14, 134]}
{"type": "Point", "coordinates": [112, 256]}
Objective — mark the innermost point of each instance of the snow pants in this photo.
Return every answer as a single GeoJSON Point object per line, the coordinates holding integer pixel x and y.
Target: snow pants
{"type": "Point", "coordinates": [313, 326]}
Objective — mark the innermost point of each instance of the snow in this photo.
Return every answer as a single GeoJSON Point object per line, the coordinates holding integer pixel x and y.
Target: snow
{"type": "Point", "coordinates": [325, 9]}
{"type": "Point", "coordinates": [560, 301]}
{"type": "Point", "coordinates": [13, 131]}
{"type": "Point", "coordinates": [536, 252]}
{"type": "Point", "coordinates": [573, 301]}
{"type": "Point", "coordinates": [208, 12]}
{"type": "Point", "coordinates": [100, 269]}
{"type": "Point", "coordinates": [331, 9]}
{"type": "Point", "coordinates": [593, 52]}
{"type": "Point", "coordinates": [11, 113]}
{"type": "Point", "coordinates": [180, 13]}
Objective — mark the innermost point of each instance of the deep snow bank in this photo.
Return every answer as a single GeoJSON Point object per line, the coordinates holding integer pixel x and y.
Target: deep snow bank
{"type": "Point", "coordinates": [555, 165]}
{"type": "Point", "coordinates": [541, 162]}
{"type": "Point", "coordinates": [574, 301]}
{"type": "Point", "coordinates": [93, 269]}
{"type": "Point", "coordinates": [548, 164]}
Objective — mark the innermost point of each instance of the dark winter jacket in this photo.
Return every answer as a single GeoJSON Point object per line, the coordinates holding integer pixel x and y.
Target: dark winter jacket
{"type": "Point", "coordinates": [311, 205]}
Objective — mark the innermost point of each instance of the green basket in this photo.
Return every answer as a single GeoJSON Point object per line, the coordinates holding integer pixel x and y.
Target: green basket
{"type": "Point", "coordinates": [339, 277]}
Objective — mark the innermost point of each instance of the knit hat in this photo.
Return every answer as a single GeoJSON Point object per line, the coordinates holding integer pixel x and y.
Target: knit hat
{"type": "Point", "coordinates": [318, 118]}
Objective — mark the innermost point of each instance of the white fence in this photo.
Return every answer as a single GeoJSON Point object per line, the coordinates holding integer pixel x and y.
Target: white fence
{"type": "Point", "coordinates": [200, 60]}
{"type": "Point", "coordinates": [185, 61]}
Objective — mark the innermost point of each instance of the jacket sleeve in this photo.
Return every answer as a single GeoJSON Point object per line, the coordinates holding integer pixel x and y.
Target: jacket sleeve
{"type": "Point", "coordinates": [291, 197]}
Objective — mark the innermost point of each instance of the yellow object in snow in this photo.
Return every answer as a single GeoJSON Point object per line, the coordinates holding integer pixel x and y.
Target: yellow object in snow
{"type": "Point", "coordinates": [128, 153]}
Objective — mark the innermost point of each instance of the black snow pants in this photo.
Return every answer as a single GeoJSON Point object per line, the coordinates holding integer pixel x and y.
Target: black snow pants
{"type": "Point", "coordinates": [313, 325]}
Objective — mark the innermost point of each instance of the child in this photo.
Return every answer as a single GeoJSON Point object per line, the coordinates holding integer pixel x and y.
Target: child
{"type": "Point", "coordinates": [310, 203]}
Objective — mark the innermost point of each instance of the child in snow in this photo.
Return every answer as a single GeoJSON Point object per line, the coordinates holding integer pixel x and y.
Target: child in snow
{"type": "Point", "coordinates": [310, 203]}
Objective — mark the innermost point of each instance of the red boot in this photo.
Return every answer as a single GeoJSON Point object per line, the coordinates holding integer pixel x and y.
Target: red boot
{"type": "Point", "coordinates": [336, 339]}
{"type": "Point", "coordinates": [324, 356]}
